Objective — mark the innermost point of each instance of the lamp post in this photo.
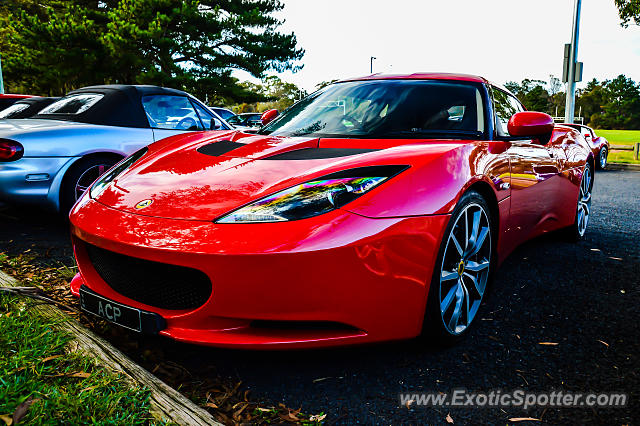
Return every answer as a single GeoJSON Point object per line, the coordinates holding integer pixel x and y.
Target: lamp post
{"type": "Point", "coordinates": [570, 106]}
{"type": "Point", "coordinates": [372, 58]}
{"type": "Point", "coordinates": [1, 81]}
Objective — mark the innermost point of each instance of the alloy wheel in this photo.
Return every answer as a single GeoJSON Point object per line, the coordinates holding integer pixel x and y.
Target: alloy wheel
{"type": "Point", "coordinates": [464, 271]}
{"type": "Point", "coordinates": [88, 177]}
{"type": "Point", "coordinates": [584, 202]}
{"type": "Point", "coordinates": [603, 157]}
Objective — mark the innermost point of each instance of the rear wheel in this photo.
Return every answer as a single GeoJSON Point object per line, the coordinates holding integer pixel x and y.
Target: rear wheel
{"type": "Point", "coordinates": [462, 272]}
{"type": "Point", "coordinates": [80, 177]}
{"type": "Point", "coordinates": [576, 231]}
{"type": "Point", "coordinates": [602, 158]}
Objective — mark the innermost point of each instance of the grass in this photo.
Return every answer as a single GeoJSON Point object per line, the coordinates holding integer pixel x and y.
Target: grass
{"type": "Point", "coordinates": [621, 137]}
{"type": "Point", "coordinates": [53, 385]}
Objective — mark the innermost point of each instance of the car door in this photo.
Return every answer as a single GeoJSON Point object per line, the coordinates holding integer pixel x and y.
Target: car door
{"type": "Point", "coordinates": [170, 115]}
{"type": "Point", "coordinates": [534, 173]}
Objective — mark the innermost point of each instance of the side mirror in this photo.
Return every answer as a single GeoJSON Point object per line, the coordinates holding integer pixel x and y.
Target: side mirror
{"type": "Point", "coordinates": [530, 124]}
{"type": "Point", "coordinates": [268, 116]}
{"type": "Point", "coordinates": [215, 124]}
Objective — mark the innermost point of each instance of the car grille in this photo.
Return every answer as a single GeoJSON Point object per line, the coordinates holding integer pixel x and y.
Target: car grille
{"type": "Point", "coordinates": [152, 283]}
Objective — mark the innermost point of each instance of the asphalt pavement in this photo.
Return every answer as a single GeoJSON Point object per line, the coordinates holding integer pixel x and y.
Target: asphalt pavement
{"type": "Point", "coordinates": [582, 298]}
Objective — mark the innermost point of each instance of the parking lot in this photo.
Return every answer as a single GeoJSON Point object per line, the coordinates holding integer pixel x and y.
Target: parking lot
{"type": "Point", "coordinates": [582, 298]}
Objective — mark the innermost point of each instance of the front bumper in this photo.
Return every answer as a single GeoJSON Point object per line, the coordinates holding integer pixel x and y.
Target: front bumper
{"type": "Point", "coordinates": [367, 278]}
{"type": "Point", "coordinates": [30, 180]}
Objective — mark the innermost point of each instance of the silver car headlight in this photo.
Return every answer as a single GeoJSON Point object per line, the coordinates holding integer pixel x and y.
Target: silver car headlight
{"type": "Point", "coordinates": [313, 198]}
{"type": "Point", "coordinates": [105, 180]}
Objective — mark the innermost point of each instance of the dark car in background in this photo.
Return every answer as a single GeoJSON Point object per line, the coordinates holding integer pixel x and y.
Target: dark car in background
{"type": "Point", "coordinates": [224, 113]}
{"type": "Point", "coordinates": [27, 107]}
{"type": "Point", "coordinates": [9, 99]}
{"type": "Point", "coordinates": [246, 120]}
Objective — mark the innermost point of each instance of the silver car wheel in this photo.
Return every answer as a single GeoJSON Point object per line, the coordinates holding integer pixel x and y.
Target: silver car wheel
{"type": "Point", "coordinates": [88, 177]}
{"type": "Point", "coordinates": [584, 201]}
{"type": "Point", "coordinates": [603, 157]}
{"type": "Point", "coordinates": [464, 271]}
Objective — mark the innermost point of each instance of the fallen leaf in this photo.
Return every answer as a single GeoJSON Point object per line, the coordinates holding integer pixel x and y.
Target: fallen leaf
{"type": "Point", "coordinates": [89, 388]}
{"type": "Point", "coordinates": [211, 405]}
{"type": "Point", "coordinates": [449, 419]}
{"type": "Point", "coordinates": [290, 417]}
{"type": "Point", "coordinates": [604, 343]}
{"type": "Point", "coordinates": [548, 343]}
{"type": "Point", "coordinates": [80, 374]}
{"type": "Point", "coordinates": [7, 419]}
{"type": "Point", "coordinates": [49, 358]}
{"type": "Point", "coordinates": [523, 419]}
{"type": "Point", "coordinates": [21, 411]}
{"type": "Point", "coordinates": [317, 418]}
{"type": "Point", "coordinates": [264, 410]}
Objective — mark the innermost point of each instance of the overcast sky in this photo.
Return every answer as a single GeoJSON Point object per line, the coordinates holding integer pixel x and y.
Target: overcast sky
{"type": "Point", "coordinates": [501, 40]}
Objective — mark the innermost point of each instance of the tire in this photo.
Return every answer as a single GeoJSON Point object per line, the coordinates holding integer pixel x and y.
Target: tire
{"type": "Point", "coordinates": [576, 231]}
{"type": "Point", "coordinates": [80, 176]}
{"type": "Point", "coordinates": [601, 164]}
{"type": "Point", "coordinates": [457, 291]}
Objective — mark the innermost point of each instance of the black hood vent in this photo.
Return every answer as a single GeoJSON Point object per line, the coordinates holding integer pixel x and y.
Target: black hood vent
{"type": "Point", "coordinates": [215, 149]}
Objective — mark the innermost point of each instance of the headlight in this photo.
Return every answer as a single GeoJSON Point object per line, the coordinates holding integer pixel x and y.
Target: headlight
{"type": "Point", "coordinates": [103, 182]}
{"type": "Point", "coordinates": [313, 198]}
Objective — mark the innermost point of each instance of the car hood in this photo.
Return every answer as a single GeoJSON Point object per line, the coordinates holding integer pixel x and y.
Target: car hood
{"type": "Point", "coordinates": [202, 178]}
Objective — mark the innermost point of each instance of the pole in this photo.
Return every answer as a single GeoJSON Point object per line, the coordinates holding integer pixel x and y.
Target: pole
{"type": "Point", "coordinates": [372, 58]}
{"type": "Point", "coordinates": [1, 81]}
{"type": "Point", "coordinates": [570, 106]}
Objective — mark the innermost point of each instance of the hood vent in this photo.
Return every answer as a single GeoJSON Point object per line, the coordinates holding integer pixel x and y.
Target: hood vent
{"type": "Point", "coordinates": [317, 153]}
{"type": "Point", "coordinates": [216, 149]}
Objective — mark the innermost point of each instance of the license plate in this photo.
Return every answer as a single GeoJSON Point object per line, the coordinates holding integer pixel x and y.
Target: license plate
{"type": "Point", "coordinates": [114, 312]}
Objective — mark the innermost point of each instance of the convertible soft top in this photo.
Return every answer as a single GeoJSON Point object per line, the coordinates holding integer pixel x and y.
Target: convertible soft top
{"type": "Point", "coordinates": [120, 106]}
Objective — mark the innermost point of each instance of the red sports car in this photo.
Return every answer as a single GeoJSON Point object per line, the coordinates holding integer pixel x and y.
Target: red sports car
{"type": "Point", "coordinates": [375, 209]}
{"type": "Point", "coordinates": [599, 144]}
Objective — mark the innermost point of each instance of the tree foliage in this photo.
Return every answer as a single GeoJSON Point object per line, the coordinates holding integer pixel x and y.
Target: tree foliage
{"type": "Point", "coordinates": [629, 10]}
{"type": "Point", "coordinates": [273, 93]}
{"type": "Point", "coordinates": [610, 104]}
{"type": "Point", "coordinates": [52, 46]}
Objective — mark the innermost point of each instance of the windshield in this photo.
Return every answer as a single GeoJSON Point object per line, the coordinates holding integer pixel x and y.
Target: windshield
{"type": "Point", "coordinates": [73, 104]}
{"type": "Point", "coordinates": [385, 108]}
{"type": "Point", "coordinates": [13, 110]}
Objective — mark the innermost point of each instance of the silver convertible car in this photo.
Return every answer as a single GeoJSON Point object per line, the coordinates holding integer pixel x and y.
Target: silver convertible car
{"type": "Point", "coordinates": [52, 158]}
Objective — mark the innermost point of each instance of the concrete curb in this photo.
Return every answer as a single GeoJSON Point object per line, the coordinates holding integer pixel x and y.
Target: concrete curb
{"type": "Point", "coordinates": [623, 166]}
{"type": "Point", "coordinates": [167, 404]}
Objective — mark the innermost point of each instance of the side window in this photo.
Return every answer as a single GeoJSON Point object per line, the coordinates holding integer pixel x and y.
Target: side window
{"type": "Point", "coordinates": [73, 104]}
{"type": "Point", "coordinates": [171, 112]}
{"type": "Point", "coordinates": [504, 106]}
{"type": "Point", "coordinates": [209, 121]}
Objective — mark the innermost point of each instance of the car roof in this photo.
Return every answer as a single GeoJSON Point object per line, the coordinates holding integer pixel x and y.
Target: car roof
{"type": "Point", "coordinates": [36, 99]}
{"type": "Point", "coordinates": [121, 105]}
{"type": "Point", "coordinates": [133, 89]}
{"type": "Point", "coordinates": [422, 76]}
{"type": "Point", "coordinates": [14, 96]}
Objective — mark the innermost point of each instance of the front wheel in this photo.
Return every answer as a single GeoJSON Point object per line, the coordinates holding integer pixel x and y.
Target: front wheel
{"type": "Point", "coordinates": [80, 177]}
{"type": "Point", "coordinates": [462, 271]}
